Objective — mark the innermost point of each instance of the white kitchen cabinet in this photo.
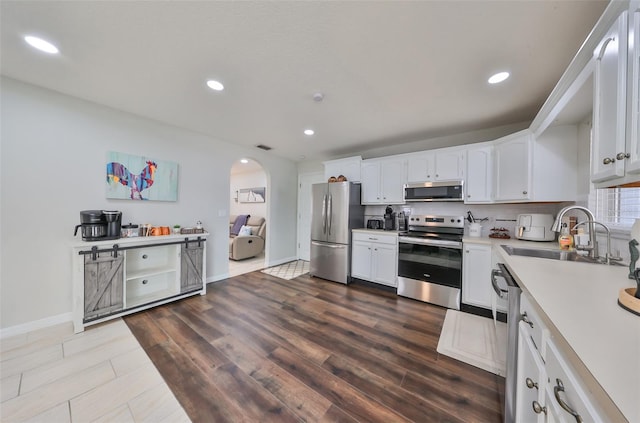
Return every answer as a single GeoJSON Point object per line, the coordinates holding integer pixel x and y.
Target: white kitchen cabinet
{"type": "Point", "coordinates": [537, 169]}
{"type": "Point", "coordinates": [513, 167]}
{"type": "Point", "coordinates": [437, 165]}
{"type": "Point", "coordinates": [383, 181]}
{"type": "Point", "coordinates": [374, 257]}
{"type": "Point", "coordinates": [115, 278]}
{"type": "Point", "coordinates": [615, 147]}
{"type": "Point", "coordinates": [633, 107]}
{"type": "Point", "coordinates": [530, 381]}
{"type": "Point", "coordinates": [478, 181]}
{"type": "Point", "coordinates": [609, 103]}
{"type": "Point", "coordinates": [568, 398]}
{"type": "Point", "coordinates": [349, 167]}
{"type": "Point", "coordinates": [476, 275]}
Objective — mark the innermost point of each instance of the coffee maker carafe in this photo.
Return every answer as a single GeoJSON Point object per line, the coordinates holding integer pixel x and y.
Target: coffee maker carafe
{"type": "Point", "coordinates": [114, 222]}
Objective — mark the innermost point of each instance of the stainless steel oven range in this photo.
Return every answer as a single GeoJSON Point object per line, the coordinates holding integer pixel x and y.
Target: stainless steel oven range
{"type": "Point", "coordinates": [430, 260]}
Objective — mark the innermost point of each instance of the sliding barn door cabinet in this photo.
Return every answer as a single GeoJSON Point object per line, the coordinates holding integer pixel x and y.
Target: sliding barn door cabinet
{"type": "Point", "coordinates": [115, 278]}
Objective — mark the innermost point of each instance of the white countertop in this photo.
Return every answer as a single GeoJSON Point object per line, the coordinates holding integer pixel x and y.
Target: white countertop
{"type": "Point", "coordinates": [580, 302]}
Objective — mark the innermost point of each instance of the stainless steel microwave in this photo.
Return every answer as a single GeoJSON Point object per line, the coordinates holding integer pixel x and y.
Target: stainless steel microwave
{"type": "Point", "coordinates": [434, 191]}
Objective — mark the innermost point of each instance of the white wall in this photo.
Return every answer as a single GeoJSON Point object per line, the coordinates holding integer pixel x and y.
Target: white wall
{"type": "Point", "coordinates": [247, 180]}
{"type": "Point", "coordinates": [53, 165]}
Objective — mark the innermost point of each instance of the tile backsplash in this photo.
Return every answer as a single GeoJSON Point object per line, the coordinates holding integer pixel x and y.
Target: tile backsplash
{"type": "Point", "coordinates": [497, 215]}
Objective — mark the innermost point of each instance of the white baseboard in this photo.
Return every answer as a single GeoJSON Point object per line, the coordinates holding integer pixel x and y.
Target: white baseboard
{"type": "Point", "coordinates": [282, 261]}
{"type": "Point", "coordinates": [35, 325]}
{"type": "Point", "coordinates": [216, 278]}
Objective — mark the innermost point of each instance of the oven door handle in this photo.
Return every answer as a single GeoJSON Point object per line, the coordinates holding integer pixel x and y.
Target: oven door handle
{"type": "Point", "coordinates": [502, 293]}
{"type": "Point", "coordinates": [436, 243]}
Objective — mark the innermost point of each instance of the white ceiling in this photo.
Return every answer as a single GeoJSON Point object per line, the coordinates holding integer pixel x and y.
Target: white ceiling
{"type": "Point", "coordinates": [391, 71]}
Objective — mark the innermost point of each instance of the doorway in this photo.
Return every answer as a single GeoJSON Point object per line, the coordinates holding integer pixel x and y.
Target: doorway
{"type": "Point", "coordinates": [305, 181]}
{"type": "Point", "coordinates": [248, 196]}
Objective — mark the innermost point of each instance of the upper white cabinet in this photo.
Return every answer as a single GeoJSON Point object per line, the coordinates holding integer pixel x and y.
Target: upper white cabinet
{"type": "Point", "coordinates": [554, 175]}
{"type": "Point", "coordinates": [615, 149]}
{"type": "Point", "coordinates": [437, 165]}
{"type": "Point", "coordinates": [383, 181]}
{"type": "Point", "coordinates": [633, 132]}
{"type": "Point", "coordinates": [513, 167]}
{"type": "Point", "coordinates": [478, 182]}
{"type": "Point", "coordinates": [348, 167]}
{"type": "Point", "coordinates": [609, 103]}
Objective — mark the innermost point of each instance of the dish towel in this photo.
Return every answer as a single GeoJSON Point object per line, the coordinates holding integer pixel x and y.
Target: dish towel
{"type": "Point", "coordinates": [241, 220]}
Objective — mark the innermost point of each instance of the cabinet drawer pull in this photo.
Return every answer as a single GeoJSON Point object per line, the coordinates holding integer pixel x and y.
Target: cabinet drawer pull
{"type": "Point", "coordinates": [530, 383]}
{"type": "Point", "coordinates": [537, 408]}
{"type": "Point", "coordinates": [604, 47]}
{"type": "Point", "coordinates": [622, 156]}
{"type": "Point", "coordinates": [145, 281]}
{"type": "Point", "coordinates": [608, 160]}
{"type": "Point", "coordinates": [144, 256]}
{"type": "Point", "coordinates": [566, 407]}
{"type": "Point", "coordinates": [525, 319]}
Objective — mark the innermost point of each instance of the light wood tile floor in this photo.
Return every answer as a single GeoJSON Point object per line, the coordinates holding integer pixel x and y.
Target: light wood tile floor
{"type": "Point", "coordinates": [99, 375]}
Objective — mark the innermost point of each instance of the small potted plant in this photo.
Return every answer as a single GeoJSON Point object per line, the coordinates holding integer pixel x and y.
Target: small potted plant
{"type": "Point", "coordinates": [176, 229]}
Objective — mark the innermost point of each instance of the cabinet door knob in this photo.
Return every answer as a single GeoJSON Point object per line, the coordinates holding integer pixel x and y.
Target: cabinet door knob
{"type": "Point", "coordinates": [525, 319]}
{"type": "Point", "coordinates": [537, 408]}
{"type": "Point", "coordinates": [622, 156]}
{"type": "Point", "coordinates": [530, 383]}
{"type": "Point", "coordinates": [437, 175]}
{"type": "Point", "coordinates": [145, 281]}
{"type": "Point", "coordinates": [144, 256]}
{"type": "Point", "coordinates": [608, 160]}
{"type": "Point", "coordinates": [468, 195]}
{"type": "Point", "coordinates": [524, 192]}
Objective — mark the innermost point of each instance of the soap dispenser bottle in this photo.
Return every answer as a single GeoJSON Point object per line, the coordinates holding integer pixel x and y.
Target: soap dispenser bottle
{"type": "Point", "coordinates": [565, 240]}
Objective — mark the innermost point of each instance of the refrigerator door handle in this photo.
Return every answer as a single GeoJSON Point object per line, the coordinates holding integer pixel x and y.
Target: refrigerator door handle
{"type": "Point", "coordinates": [325, 245]}
{"type": "Point", "coordinates": [324, 214]}
{"type": "Point", "coordinates": [330, 212]}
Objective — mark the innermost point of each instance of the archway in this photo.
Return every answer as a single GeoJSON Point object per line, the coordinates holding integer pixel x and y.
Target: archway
{"type": "Point", "coordinates": [248, 183]}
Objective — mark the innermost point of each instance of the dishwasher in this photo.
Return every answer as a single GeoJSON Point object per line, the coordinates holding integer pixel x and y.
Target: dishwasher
{"type": "Point", "coordinates": [510, 291]}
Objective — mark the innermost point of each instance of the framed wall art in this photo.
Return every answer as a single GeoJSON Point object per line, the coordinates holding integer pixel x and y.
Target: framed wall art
{"type": "Point", "coordinates": [252, 195]}
{"type": "Point", "coordinates": [132, 177]}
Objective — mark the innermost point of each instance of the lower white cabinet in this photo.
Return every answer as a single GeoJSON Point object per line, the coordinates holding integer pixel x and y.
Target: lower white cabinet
{"type": "Point", "coordinates": [548, 389]}
{"type": "Point", "coordinates": [568, 399]}
{"type": "Point", "coordinates": [476, 275]}
{"type": "Point", "coordinates": [530, 382]}
{"type": "Point", "coordinates": [374, 257]}
{"type": "Point", "coordinates": [115, 278]}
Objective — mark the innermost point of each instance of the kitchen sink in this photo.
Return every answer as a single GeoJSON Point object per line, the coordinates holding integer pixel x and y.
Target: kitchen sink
{"type": "Point", "coordinates": [551, 254]}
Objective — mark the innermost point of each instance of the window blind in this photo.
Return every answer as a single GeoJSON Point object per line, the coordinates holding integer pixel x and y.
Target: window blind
{"type": "Point", "coordinates": [616, 207]}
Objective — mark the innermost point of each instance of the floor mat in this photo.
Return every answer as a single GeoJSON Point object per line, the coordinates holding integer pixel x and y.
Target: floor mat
{"type": "Point", "coordinates": [474, 340]}
{"type": "Point", "coordinates": [290, 270]}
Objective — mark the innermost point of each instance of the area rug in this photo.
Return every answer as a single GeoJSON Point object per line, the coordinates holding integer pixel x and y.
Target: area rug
{"type": "Point", "coordinates": [290, 270]}
{"type": "Point", "coordinates": [474, 340]}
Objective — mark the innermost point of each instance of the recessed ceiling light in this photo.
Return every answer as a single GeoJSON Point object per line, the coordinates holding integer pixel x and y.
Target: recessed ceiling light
{"type": "Point", "coordinates": [244, 161]}
{"type": "Point", "coordinates": [498, 77]}
{"type": "Point", "coordinates": [309, 132]}
{"type": "Point", "coordinates": [215, 85]}
{"type": "Point", "coordinates": [41, 44]}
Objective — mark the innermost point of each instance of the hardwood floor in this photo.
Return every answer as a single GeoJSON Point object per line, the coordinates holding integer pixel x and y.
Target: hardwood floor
{"type": "Point", "coordinates": [260, 348]}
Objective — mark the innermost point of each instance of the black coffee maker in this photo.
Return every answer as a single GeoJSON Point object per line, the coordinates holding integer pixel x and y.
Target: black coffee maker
{"type": "Point", "coordinates": [97, 225]}
{"type": "Point", "coordinates": [389, 219]}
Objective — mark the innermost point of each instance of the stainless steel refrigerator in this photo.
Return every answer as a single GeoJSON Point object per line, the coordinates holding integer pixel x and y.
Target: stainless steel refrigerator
{"type": "Point", "coordinates": [335, 211]}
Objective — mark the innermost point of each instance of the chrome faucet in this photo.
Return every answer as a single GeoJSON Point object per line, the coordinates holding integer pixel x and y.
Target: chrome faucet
{"type": "Point", "coordinates": [593, 244]}
{"type": "Point", "coordinates": [607, 256]}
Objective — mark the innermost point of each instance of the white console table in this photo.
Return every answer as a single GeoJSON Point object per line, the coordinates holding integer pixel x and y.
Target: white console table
{"type": "Point", "coordinates": [118, 277]}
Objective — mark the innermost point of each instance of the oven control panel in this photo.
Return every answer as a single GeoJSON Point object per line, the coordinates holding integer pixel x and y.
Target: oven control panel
{"type": "Point", "coordinates": [441, 221]}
